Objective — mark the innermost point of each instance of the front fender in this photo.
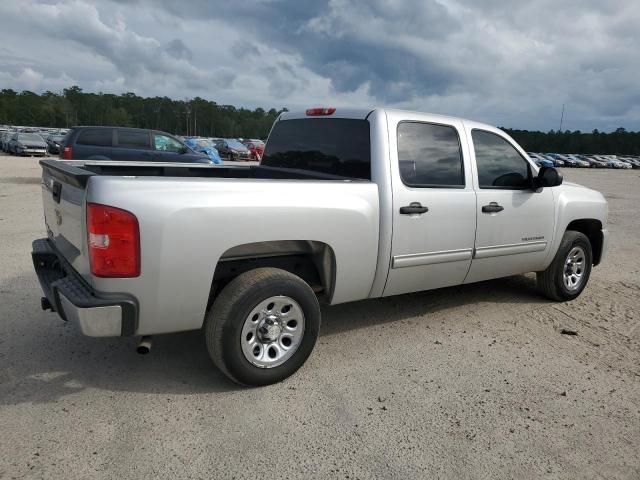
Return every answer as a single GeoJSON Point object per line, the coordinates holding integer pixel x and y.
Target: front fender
{"type": "Point", "coordinates": [575, 202]}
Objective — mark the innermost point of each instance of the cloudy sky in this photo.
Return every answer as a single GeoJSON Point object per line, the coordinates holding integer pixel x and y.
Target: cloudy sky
{"type": "Point", "coordinates": [511, 63]}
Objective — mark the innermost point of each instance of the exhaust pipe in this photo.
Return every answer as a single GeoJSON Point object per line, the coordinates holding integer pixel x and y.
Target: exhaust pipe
{"type": "Point", "coordinates": [144, 346]}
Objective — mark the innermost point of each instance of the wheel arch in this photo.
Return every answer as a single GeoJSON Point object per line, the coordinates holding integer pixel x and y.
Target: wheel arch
{"type": "Point", "coordinates": [311, 260]}
{"type": "Point", "coordinates": [592, 229]}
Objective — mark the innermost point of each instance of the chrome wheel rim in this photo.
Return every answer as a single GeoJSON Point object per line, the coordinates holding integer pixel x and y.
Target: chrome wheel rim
{"type": "Point", "coordinates": [574, 267]}
{"type": "Point", "coordinates": [272, 332]}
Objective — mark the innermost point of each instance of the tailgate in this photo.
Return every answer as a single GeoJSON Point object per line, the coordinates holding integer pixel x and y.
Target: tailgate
{"type": "Point", "coordinates": [63, 198]}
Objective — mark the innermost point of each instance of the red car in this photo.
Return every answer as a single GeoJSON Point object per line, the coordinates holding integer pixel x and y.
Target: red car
{"type": "Point", "coordinates": [256, 147]}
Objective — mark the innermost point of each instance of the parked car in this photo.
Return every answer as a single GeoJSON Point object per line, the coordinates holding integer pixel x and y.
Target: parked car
{"type": "Point", "coordinates": [556, 161]}
{"type": "Point", "coordinates": [27, 144]}
{"type": "Point", "coordinates": [53, 143]}
{"type": "Point", "coordinates": [613, 162]}
{"type": "Point", "coordinates": [205, 146]}
{"type": "Point", "coordinates": [3, 132]}
{"type": "Point", "coordinates": [126, 144]}
{"type": "Point", "coordinates": [580, 162]}
{"type": "Point", "coordinates": [603, 160]}
{"type": "Point", "coordinates": [256, 148]}
{"type": "Point", "coordinates": [5, 137]}
{"type": "Point", "coordinates": [593, 161]}
{"type": "Point", "coordinates": [233, 150]}
{"type": "Point", "coordinates": [569, 162]}
{"type": "Point", "coordinates": [540, 160]}
{"type": "Point", "coordinates": [247, 253]}
{"type": "Point", "coordinates": [630, 160]}
{"type": "Point", "coordinates": [622, 164]}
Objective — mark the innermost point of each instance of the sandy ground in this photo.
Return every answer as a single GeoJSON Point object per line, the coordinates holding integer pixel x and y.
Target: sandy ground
{"type": "Point", "coordinates": [469, 382]}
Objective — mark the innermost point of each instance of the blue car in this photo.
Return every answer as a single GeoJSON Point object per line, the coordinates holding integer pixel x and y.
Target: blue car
{"type": "Point", "coordinates": [205, 146]}
{"type": "Point", "coordinates": [541, 162]}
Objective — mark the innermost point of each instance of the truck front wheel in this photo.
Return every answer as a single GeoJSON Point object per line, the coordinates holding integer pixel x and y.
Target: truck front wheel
{"type": "Point", "coordinates": [569, 272]}
{"type": "Point", "coordinates": [262, 327]}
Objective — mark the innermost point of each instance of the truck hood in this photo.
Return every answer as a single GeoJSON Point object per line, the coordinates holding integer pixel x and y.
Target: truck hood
{"type": "Point", "coordinates": [575, 189]}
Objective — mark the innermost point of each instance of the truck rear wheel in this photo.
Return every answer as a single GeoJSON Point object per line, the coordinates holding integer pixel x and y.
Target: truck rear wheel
{"type": "Point", "coordinates": [262, 327]}
{"type": "Point", "coordinates": [569, 272]}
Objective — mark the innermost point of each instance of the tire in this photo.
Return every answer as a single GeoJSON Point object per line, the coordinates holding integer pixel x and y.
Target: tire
{"type": "Point", "coordinates": [553, 281]}
{"type": "Point", "coordinates": [241, 311]}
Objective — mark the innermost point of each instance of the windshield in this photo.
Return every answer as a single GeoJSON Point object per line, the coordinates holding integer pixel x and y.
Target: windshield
{"type": "Point", "coordinates": [236, 144]}
{"type": "Point", "coordinates": [336, 146]}
{"type": "Point", "coordinates": [57, 138]}
{"type": "Point", "coordinates": [30, 137]}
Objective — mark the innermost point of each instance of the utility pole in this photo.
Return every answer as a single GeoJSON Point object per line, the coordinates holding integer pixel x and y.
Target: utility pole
{"type": "Point", "coordinates": [561, 118]}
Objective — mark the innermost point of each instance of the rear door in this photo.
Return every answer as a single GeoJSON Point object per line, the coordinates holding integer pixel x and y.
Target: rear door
{"type": "Point", "coordinates": [132, 145]}
{"type": "Point", "coordinates": [93, 144]}
{"type": "Point", "coordinates": [434, 203]}
{"type": "Point", "coordinates": [515, 223]}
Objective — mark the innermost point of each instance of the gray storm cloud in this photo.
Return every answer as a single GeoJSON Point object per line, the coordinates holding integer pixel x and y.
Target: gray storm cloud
{"type": "Point", "coordinates": [510, 64]}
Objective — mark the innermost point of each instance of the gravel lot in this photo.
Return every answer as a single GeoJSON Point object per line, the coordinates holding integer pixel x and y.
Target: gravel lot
{"type": "Point", "coordinates": [469, 382]}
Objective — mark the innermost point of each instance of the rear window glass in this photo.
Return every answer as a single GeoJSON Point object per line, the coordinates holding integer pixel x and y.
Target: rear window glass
{"type": "Point", "coordinates": [133, 139]}
{"type": "Point", "coordinates": [335, 146]}
{"type": "Point", "coordinates": [429, 155]}
{"type": "Point", "coordinates": [100, 137]}
{"type": "Point", "coordinates": [67, 135]}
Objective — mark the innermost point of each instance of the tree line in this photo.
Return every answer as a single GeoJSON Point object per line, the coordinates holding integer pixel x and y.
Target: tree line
{"type": "Point", "coordinates": [198, 117]}
{"type": "Point", "coordinates": [206, 118]}
{"type": "Point", "coordinates": [619, 142]}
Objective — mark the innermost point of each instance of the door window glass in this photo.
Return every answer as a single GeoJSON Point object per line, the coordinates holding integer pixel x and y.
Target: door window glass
{"type": "Point", "coordinates": [133, 139]}
{"type": "Point", "coordinates": [499, 163]}
{"type": "Point", "coordinates": [429, 155]}
{"type": "Point", "coordinates": [101, 137]}
{"type": "Point", "coordinates": [164, 143]}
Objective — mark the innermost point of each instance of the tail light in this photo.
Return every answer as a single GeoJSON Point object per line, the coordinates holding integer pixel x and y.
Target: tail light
{"type": "Point", "coordinates": [66, 153]}
{"type": "Point", "coordinates": [114, 242]}
{"type": "Point", "coordinates": [315, 112]}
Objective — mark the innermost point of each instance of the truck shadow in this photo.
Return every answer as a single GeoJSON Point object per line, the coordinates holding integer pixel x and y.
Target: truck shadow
{"type": "Point", "coordinates": [519, 289]}
{"type": "Point", "coordinates": [43, 358]}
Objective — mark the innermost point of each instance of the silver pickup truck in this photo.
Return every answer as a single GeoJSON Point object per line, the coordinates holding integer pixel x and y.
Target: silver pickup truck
{"type": "Point", "coordinates": [346, 205]}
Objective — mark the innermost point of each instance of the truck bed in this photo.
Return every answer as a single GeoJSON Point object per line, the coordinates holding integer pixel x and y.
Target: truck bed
{"type": "Point", "coordinates": [192, 218]}
{"type": "Point", "coordinates": [77, 172]}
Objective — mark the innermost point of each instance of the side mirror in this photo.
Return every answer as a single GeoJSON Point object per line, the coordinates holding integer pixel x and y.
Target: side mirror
{"type": "Point", "coordinates": [184, 150]}
{"type": "Point", "coordinates": [547, 177]}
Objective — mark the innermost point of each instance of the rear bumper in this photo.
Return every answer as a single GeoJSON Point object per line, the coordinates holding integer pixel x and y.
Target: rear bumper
{"type": "Point", "coordinates": [97, 314]}
{"type": "Point", "coordinates": [32, 151]}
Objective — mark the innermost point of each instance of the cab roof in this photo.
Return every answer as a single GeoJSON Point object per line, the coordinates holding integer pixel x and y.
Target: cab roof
{"type": "Point", "coordinates": [363, 113]}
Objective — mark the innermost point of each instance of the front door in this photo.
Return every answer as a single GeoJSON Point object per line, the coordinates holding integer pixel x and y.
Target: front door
{"type": "Point", "coordinates": [168, 149]}
{"type": "Point", "coordinates": [434, 204]}
{"type": "Point", "coordinates": [515, 223]}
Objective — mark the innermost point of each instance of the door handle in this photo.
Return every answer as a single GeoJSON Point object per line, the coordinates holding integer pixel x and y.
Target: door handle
{"type": "Point", "coordinates": [493, 207]}
{"type": "Point", "coordinates": [413, 209]}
